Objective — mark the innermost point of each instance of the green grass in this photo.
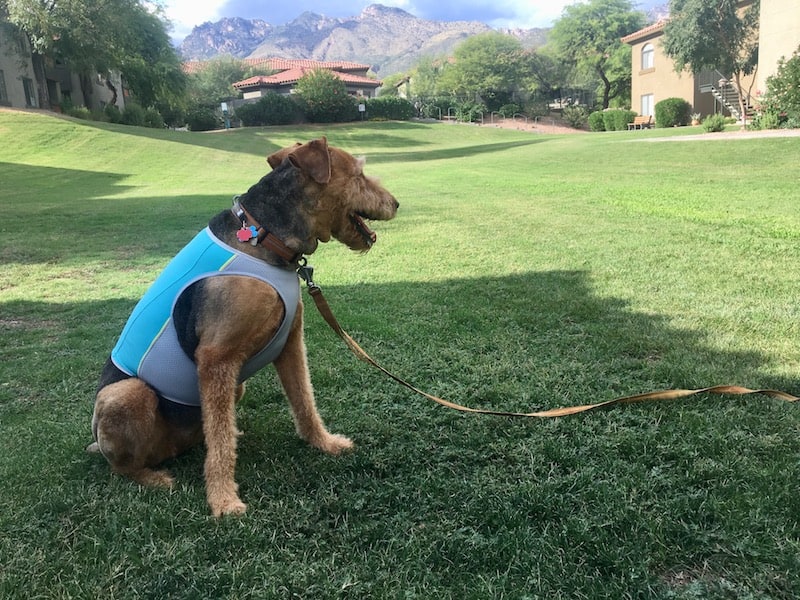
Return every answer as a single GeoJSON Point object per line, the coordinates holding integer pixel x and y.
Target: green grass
{"type": "Point", "coordinates": [522, 272]}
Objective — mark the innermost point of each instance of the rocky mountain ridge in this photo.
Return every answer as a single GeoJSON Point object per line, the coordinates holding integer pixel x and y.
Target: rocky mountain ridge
{"type": "Point", "coordinates": [389, 39]}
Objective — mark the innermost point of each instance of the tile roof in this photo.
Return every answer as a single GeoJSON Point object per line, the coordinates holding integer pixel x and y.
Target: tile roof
{"type": "Point", "coordinates": [643, 33]}
{"type": "Point", "coordinates": [284, 64]}
{"type": "Point", "coordinates": [292, 75]}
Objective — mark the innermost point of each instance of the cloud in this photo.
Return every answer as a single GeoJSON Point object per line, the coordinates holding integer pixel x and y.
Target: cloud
{"type": "Point", "coordinates": [185, 14]}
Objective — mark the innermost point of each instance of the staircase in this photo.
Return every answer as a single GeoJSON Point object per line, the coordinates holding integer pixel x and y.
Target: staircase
{"type": "Point", "coordinates": [726, 93]}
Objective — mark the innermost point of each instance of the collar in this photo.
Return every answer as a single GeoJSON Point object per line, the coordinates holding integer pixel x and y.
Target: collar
{"type": "Point", "coordinates": [263, 236]}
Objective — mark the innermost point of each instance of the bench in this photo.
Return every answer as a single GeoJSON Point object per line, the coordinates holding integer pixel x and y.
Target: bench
{"type": "Point", "coordinates": [641, 122]}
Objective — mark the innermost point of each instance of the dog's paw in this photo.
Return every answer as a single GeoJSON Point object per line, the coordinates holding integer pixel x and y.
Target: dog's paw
{"type": "Point", "coordinates": [334, 444]}
{"type": "Point", "coordinates": [93, 448]}
{"type": "Point", "coordinates": [231, 506]}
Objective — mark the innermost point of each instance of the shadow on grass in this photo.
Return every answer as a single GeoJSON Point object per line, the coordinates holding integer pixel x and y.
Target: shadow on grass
{"type": "Point", "coordinates": [516, 343]}
{"type": "Point", "coordinates": [449, 153]}
{"type": "Point", "coordinates": [26, 185]}
{"type": "Point", "coordinates": [256, 140]}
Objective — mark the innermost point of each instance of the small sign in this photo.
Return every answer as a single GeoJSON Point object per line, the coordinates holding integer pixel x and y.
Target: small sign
{"type": "Point", "coordinates": [362, 108]}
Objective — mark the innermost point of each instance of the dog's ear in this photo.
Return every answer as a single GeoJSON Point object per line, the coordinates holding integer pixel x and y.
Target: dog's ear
{"type": "Point", "coordinates": [278, 157]}
{"type": "Point", "coordinates": [313, 159]}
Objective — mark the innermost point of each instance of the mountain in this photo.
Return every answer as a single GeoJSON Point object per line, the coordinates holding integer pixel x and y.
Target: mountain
{"type": "Point", "coordinates": [391, 40]}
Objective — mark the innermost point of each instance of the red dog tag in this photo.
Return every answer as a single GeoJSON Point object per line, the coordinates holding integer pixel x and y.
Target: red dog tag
{"type": "Point", "coordinates": [246, 233]}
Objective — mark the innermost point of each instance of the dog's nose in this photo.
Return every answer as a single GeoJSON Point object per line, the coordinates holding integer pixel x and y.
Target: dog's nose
{"type": "Point", "coordinates": [396, 204]}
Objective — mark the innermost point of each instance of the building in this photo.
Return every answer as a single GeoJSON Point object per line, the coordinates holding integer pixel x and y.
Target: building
{"type": "Point", "coordinates": [653, 75]}
{"type": "Point", "coordinates": [289, 71]}
{"type": "Point", "coordinates": [28, 80]}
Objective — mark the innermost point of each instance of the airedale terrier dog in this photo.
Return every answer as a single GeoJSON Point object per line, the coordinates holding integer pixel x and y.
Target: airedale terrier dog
{"type": "Point", "coordinates": [224, 307]}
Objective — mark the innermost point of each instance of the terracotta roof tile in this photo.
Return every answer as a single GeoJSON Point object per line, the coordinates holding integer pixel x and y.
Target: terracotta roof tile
{"type": "Point", "coordinates": [642, 33]}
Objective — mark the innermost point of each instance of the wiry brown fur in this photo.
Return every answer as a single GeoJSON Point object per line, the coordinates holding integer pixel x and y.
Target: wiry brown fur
{"type": "Point", "coordinates": [310, 196]}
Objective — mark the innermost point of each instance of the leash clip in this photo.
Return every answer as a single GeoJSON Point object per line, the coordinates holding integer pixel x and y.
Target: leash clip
{"type": "Point", "coordinates": [306, 273]}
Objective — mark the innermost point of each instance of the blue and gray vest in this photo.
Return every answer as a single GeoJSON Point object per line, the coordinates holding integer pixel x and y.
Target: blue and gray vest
{"type": "Point", "coordinates": [148, 347]}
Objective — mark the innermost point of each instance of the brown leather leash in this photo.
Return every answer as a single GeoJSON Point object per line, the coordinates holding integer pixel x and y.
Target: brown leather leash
{"type": "Point", "coordinates": [325, 310]}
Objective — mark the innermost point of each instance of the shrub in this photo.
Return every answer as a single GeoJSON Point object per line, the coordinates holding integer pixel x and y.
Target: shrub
{"type": "Point", "coordinates": [324, 98]}
{"type": "Point", "coordinates": [113, 113]}
{"type": "Point", "coordinates": [673, 112]}
{"type": "Point", "coordinates": [575, 116]}
{"type": "Point", "coordinates": [80, 112]}
{"type": "Point", "coordinates": [596, 122]}
{"type": "Point", "coordinates": [270, 109]}
{"type": "Point", "coordinates": [133, 115]}
{"type": "Point", "coordinates": [511, 109]}
{"type": "Point", "coordinates": [201, 118]}
{"type": "Point", "coordinates": [713, 123]}
{"type": "Point", "coordinates": [152, 119]}
{"type": "Point", "coordinates": [617, 119]}
{"type": "Point", "coordinates": [783, 88]}
{"type": "Point", "coordinates": [469, 111]}
{"type": "Point", "coordinates": [390, 107]}
{"type": "Point", "coordinates": [436, 108]}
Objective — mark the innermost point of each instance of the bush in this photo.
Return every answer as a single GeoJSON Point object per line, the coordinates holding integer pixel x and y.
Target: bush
{"type": "Point", "coordinates": [596, 121]}
{"type": "Point", "coordinates": [783, 88]}
{"type": "Point", "coordinates": [113, 113]}
{"type": "Point", "coordinates": [575, 116]}
{"type": "Point", "coordinates": [324, 98]}
{"type": "Point", "coordinates": [201, 118]}
{"type": "Point", "coordinates": [436, 108]}
{"type": "Point", "coordinates": [617, 119]}
{"type": "Point", "coordinates": [469, 111]}
{"type": "Point", "coordinates": [270, 109]}
{"type": "Point", "coordinates": [79, 112]}
{"type": "Point", "coordinates": [673, 112]}
{"type": "Point", "coordinates": [133, 115]}
{"type": "Point", "coordinates": [713, 123]}
{"type": "Point", "coordinates": [390, 107]}
{"type": "Point", "coordinates": [152, 119]}
{"type": "Point", "coordinates": [509, 110]}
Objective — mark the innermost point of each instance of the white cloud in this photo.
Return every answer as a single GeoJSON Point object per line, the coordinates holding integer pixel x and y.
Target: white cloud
{"type": "Point", "coordinates": [185, 14]}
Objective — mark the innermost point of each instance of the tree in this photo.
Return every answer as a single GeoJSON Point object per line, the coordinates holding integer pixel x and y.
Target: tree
{"type": "Point", "coordinates": [98, 36]}
{"type": "Point", "coordinates": [324, 97]}
{"type": "Point", "coordinates": [713, 34]}
{"type": "Point", "coordinates": [487, 65]}
{"type": "Point", "coordinates": [588, 36]}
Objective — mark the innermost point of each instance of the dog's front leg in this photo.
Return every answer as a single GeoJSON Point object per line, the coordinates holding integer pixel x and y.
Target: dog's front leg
{"type": "Point", "coordinates": [218, 386]}
{"type": "Point", "coordinates": [292, 368]}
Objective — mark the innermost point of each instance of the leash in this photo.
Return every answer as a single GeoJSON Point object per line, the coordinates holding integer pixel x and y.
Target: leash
{"type": "Point", "coordinates": [306, 273]}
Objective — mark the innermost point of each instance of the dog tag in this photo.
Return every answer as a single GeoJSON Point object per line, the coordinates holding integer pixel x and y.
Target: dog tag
{"type": "Point", "coordinates": [247, 234]}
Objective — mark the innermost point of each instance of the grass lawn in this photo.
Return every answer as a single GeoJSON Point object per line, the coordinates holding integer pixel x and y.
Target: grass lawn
{"type": "Point", "coordinates": [522, 272]}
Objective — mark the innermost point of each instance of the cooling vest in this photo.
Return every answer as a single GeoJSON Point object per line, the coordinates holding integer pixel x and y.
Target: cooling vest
{"type": "Point", "coordinates": [148, 346]}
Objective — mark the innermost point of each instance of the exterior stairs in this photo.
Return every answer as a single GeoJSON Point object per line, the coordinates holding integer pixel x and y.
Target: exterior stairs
{"type": "Point", "coordinates": [727, 94]}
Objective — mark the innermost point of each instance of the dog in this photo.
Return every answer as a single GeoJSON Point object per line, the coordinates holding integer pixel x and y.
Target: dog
{"type": "Point", "coordinates": [225, 306]}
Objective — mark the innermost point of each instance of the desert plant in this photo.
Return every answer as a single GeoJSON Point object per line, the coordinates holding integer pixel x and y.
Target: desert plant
{"type": "Point", "coordinates": [575, 116]}
{"type": "Point", "coordinates": [714, 123]}
{"type": "Point", "coordinates": [469, 111]}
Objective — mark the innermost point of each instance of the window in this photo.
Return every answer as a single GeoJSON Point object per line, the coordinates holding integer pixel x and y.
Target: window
{"type": "Point", "coordinates": [3, 92]}
{"type": "Point", "coordinates": [648, 105]}
{"type": "Point", "coordinates": [648, 53]}
{"type": "Point", "coordinates": [30, 93]}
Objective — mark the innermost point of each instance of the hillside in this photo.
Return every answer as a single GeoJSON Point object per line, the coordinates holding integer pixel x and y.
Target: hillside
{"type": "Point", "coordinates": [391, 40]}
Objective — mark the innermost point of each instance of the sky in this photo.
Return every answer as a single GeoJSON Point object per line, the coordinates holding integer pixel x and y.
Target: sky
{"type": "Point", "coordinates": [185, 14]}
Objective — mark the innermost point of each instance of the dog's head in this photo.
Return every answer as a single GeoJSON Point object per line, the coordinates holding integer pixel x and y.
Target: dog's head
{"type": "Point", "coordinates": [341, 198]}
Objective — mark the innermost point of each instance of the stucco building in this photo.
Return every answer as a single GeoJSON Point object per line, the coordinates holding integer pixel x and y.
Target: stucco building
{"type": "Point", "coordinates": [653, 75]}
